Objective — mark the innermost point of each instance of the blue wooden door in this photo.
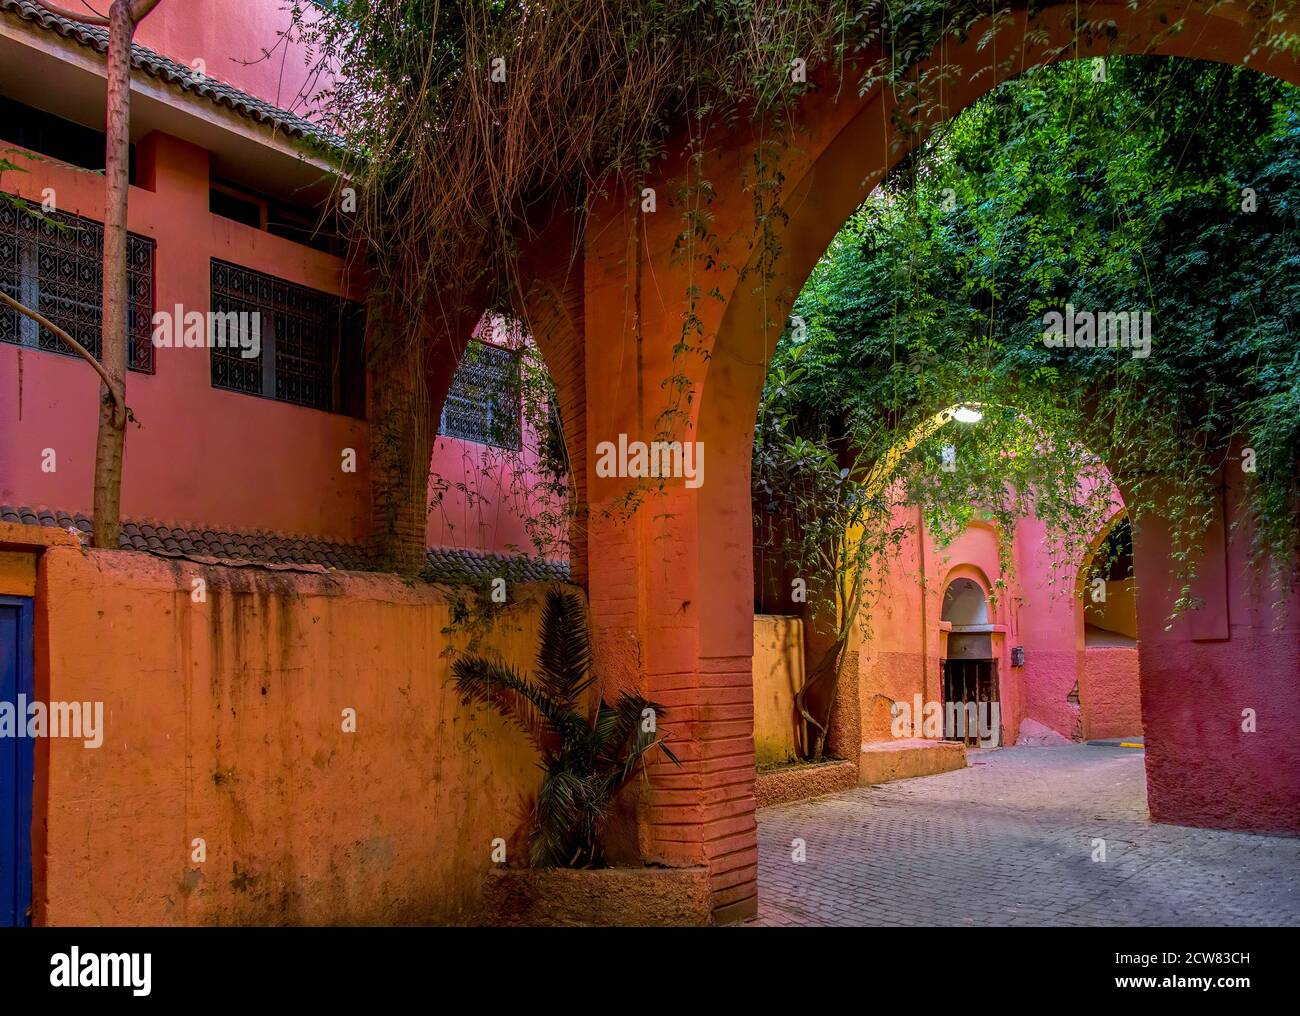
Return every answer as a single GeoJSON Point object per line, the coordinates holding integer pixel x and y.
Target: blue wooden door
{"type": "Point", "coordinates": [16, 755]}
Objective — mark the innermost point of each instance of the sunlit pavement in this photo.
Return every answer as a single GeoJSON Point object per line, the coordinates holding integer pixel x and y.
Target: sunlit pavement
{"type": "Point", "coordinates": [1011, 841]}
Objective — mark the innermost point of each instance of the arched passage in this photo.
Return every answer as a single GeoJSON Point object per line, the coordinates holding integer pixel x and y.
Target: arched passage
{"type": "Point", "coordinates": [1109, 685]}
{"type": "Point", "coordinates": [671, 584]}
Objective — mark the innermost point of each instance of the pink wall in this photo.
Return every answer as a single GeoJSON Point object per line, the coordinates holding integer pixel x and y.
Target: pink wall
{"type": "Point", "coordinates": [1050, 619]}
{"type": "Point", "coordinates": [201, 455]}
{"type": "Point", "coordinates": [1036, 609]}
{"type": "Point", "coordinates": [226, 35]}
{"type": "Point", "coordinates": [1190, 690]}
{"type": "Point", "coordinates": [906, 641]}
{"type": "Point", "coordinates": [1240, 652]}
{"type": "Point", "coordinates": [492, 516]}
{"type": "Point", "coordinates": [974, 555]}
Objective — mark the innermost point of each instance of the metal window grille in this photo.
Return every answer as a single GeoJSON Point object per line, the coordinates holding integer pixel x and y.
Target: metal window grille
{"type": "Point", "coordinates": [483, 403]}
{"type": "Point", "coordinates": [53, 263]}
{"type": "Point", "coordinates": [301, 331]}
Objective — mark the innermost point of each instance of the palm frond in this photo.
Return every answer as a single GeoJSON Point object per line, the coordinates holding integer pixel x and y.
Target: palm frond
{"type": "Point", "coordinates": [616, 725]}
{"type": "Point", "coordinates": [559, 811]}
{"type": "Point", "coordinates": [619, 736]}
{"type": "Point", "coordinates": [498, 685]}
{"type": "Point", "coordinates": [585, 763]}
{"type": "Point", "coordinates": [564, 657]}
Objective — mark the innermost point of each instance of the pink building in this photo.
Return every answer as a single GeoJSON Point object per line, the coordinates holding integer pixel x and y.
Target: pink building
{"type": "Point", "coordinates": [1056, 651]}
{"type": "Point", "coordinates": [233, 455]}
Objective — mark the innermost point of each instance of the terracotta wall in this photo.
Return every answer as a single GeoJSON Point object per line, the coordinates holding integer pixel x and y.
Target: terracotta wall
{"type": "Point", "coordinates": [224, 721]}
{"type": "Point", "coordinates": [898, 654]}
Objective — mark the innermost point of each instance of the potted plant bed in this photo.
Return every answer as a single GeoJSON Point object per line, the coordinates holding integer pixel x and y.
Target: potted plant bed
{"type": "Point", "coordinates": [587, 757]}
{"type": "Point", "coordinates": [601, 897]}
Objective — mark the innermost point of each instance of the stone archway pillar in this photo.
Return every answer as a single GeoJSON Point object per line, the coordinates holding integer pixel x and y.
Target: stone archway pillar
{"type": "Point", "coordinates": [661, 624]}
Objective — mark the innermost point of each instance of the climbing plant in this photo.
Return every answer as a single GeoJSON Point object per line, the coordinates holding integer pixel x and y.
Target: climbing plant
{"type": "Point", "coordinates": [1147, 184]}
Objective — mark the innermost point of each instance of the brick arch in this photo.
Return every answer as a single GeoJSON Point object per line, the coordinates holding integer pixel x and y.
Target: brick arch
{"type": "Point", "coordinates": [671, 584]}
{"type": "Point", "coordinates": [850, 148]}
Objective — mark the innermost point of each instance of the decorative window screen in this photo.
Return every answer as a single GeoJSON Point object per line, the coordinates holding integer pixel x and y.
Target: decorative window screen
{"type": "Point", "coordinates": [483, 403]}
{"type": "Point", "coordinates": [53, 263]}
{"type": "Point", "coordinates": [310, 341]}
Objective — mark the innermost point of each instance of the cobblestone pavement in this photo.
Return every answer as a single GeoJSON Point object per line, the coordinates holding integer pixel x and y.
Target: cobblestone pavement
{"type": "Point", "coordinates": [1009, 841]}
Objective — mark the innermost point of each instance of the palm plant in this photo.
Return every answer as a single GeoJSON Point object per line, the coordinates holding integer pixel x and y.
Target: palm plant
{"type": "Point", "coordinates": [587, 756]}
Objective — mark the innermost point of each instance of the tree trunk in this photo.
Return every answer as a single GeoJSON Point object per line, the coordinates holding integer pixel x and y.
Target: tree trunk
{"type": "Point", "coordinates": [401, 443]}
{"type": "Point", "coordinates": [816, 699]}
{"type": "Point", "coordinates": [111, 437]}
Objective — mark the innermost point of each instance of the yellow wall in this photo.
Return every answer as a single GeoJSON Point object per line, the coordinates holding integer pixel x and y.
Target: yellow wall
{"type": "Point", "coordinates": [778, 675]}
{"type": "Point", "coordinates": [1118, 613]}
{"type": "Point", "coordinates": [17, 573]}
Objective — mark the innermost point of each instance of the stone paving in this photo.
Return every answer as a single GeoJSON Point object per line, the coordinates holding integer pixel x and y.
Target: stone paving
{"type": "Point", "coordinates": [1010, 841]}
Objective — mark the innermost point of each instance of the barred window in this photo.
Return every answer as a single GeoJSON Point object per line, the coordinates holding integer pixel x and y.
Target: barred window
{"type": "Point", "coordinates": [311, 342]}
{"type": "Point", "coordinates": [54, 264]}
{"type": "Point", "coordinates": [483, 403]}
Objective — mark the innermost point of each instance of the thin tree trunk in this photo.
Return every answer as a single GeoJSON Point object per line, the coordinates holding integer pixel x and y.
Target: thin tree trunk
{"type": "Point", "coordinates": [111, 438]}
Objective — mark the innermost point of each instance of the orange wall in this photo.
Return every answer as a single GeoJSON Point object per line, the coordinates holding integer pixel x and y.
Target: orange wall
{"type": "Point", "coordinates": [899, 655]}
{"type": "Point", "coordinates": [224, 722]}
{"type": "Point", "coordinates": [1118, 611]}
{"type": "Point", "coordinates": [778, 676]}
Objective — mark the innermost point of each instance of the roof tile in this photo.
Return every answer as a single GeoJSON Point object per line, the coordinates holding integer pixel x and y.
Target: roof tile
{"type": "Point", "coordinates": [451, 565]}
{"type": "Point", "coordinates": [177, 74]}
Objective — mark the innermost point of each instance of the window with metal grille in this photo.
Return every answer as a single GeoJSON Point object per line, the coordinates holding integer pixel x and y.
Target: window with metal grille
{"type": "Point", "coordinates": [483, 403]}
{"type": "Point", "coordinates": [54, 264]}
{"type": "Point", "coordinates": [311, 342]}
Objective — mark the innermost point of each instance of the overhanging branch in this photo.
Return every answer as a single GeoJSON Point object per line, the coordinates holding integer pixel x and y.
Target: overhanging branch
{"type": "Point", "coordinates": [118, 401]}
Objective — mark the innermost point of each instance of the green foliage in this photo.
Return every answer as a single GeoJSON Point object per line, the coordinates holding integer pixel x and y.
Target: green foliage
{"type": "Point", "coordinates": [586, 759]}
{"type": "Point", "coordinates": [1122, 194]}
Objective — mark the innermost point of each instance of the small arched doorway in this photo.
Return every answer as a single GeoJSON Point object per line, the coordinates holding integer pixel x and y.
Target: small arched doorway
{"type": "Point", "coordinates": [971, 701]}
